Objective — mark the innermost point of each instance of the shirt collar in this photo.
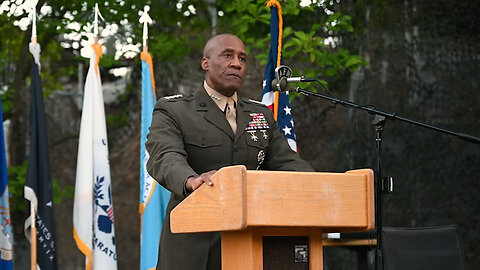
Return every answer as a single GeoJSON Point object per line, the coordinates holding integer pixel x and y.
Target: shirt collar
{"type": "Point", "coordinates": [218, 97]}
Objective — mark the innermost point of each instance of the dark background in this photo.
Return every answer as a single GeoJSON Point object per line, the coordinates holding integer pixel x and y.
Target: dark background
{"type": "Point", "coordinates": [424, 64]}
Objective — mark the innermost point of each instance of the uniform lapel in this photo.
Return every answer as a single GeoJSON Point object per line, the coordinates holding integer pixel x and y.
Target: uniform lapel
{"type": "Point", "coordinates": [212, 113]}
{"type": "Point", "coordinates": [243, 117]}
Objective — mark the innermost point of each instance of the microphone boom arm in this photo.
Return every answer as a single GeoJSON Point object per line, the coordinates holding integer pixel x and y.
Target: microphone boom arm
{"type": "Point", "coordinates": [376, 111]}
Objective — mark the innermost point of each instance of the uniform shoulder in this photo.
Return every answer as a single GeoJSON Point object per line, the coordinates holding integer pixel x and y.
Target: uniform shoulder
{"type": "Point", "coordinates": [172, 102]}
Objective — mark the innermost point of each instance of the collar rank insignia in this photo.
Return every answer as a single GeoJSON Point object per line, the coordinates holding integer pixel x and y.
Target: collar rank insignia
{"type": "Point", "coordinates": [256, 102]}
{"type": "Point", "coordinates": [258, 122]}
{"type": "Point", "coordinates": [173, 97]}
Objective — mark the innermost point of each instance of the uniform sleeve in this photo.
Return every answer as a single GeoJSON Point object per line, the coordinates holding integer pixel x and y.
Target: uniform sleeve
{"type": "Point", "coordinates": [168, 160]}
{"type": "Point", "coordinates": [279, 156]}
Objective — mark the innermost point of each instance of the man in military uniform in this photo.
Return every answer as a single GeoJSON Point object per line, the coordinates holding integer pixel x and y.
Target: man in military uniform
{"type": "Point", "coordinates": [192, 136]}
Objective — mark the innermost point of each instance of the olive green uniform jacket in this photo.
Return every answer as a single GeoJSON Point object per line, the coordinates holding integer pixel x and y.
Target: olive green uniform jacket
{"type": "Point", "coordinates": [190, 135]}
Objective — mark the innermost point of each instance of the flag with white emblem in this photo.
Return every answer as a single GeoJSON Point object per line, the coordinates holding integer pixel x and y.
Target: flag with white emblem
{"type": "Point", "coordinates": [93, 226]}
{"type": "Point", "coordinates": [277, 102]}
{"type": "Point", "coordinates": [38, 185]}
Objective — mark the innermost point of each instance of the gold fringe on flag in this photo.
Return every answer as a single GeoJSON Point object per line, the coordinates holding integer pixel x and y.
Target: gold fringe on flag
{"type": "Point", "coordinates": [275, 3]}
{"type": "Point", "coordinates": [147, 57]}
{"type": "Point", "coordinates": [98, 51]}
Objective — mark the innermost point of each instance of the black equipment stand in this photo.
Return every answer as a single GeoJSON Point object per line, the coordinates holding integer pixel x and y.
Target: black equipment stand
{"type": "Point", "coordinates": [383, 185]}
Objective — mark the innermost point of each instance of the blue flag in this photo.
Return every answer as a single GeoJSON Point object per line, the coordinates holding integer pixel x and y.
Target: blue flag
{"type": "Point", "coordinates": [6, 236]}
{"type": "Point", "coordinates": [277, 102]}
{"type": "Point", "coordinates": [153, 197]}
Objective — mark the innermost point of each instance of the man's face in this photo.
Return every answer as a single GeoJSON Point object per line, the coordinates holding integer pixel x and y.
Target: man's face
{"type": "Point", "coordinates": [225, 64]}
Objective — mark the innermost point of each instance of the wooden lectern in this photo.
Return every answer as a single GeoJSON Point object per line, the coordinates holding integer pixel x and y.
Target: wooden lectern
{"type": "Point", "coordinates": [246, 205]}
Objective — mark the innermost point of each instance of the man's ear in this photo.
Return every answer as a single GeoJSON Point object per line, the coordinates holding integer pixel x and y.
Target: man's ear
{"type": "Point", "coordinates": [205, 63]}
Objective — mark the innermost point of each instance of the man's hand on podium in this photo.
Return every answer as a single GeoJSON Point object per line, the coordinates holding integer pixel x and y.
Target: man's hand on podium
{"type": "Point", "coordinates": [193, 182]}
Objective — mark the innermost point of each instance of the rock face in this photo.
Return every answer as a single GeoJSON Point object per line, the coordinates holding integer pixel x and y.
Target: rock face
{"type": "Point", "coordinates": [423, 66]}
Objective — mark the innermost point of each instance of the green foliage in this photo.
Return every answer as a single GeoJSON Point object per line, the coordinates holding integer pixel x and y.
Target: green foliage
{"type": "Point", "coordinates": [108, 60]}
{"type": "Point", "coordinates": [310, 35]}
{"type": "Point", "coordinates": [168, 47]}
{"type": "Point", "coordinates": [9, 52]}
{"type": "Point", "coordinates": [60, 193]}
{"type": "Point", "coordinates": [16, 183]}
{"type": "Point", "coordinates": [176, 31]}
{"type": "Point", "coordinates": [117, 120]}
{"type": "Point", "coordinates": [7, 101]}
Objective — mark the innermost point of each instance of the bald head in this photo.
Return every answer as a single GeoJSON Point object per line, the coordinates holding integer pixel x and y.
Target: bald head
{"type": "Point", "coordinates": [224, 62]}
{"type": "Point", "coordinates": [213, 42]}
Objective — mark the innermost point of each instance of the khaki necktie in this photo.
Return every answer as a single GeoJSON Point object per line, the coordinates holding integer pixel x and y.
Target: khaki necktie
{"type": "Point", "coordinates": [231, 114]}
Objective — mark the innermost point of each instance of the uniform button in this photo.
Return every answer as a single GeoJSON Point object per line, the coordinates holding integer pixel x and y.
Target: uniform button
{"type": "Point", "coordinates": [241, 105]}
{"type": "Point", "coordinates": [203, 104]}
{"type": "Point", "coordinates": [235, 149]}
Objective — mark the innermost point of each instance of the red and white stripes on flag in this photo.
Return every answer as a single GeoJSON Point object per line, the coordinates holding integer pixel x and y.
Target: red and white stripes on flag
{"type": "Point", "coordinates": [279, 103]}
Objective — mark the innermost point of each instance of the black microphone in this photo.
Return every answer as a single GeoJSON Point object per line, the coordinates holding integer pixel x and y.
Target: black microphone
{"type": "Point", "coordinates": [283, 76]}
{"type": "Point", "coordinates": [282, 84]}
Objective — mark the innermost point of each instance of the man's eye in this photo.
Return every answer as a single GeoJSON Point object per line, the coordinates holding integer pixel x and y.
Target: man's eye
{"type": "Point", "coordinates": [243, 59]}
{"type": "Point", "coordinates": [227, 55]}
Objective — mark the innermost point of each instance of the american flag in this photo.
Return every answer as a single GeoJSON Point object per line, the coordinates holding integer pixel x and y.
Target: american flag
{"type": "Point", "coordinates": [281, 107]}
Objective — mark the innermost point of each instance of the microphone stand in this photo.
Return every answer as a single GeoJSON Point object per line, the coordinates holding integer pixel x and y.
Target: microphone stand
{"type": "Point", "coordinates": [383, 185]}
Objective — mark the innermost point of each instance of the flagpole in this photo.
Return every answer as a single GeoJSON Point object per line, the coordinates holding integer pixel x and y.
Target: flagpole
{"type": "Point", "coordinates": [97, 47]}
{"type": "Point", "coordinates": [33, 239]}
{"type": "Point", "coordinates": [34, 25]}
{"type": "Point", "coordinates": [33, 227]}
{"type": "Point", "coordinates": [146, 20]}
{"type": "Point", "coordinates": [95, 25]}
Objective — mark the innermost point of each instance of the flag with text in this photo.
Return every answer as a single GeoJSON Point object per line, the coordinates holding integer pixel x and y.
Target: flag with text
{"type": "Point", "coordinates": [93, 222]}
{"type": "Point", "coordinates": [6, 236]}
{"type": "Point", "coordinates": [38, 185]}
{"type": "Point", "coordinates": [153, 197]}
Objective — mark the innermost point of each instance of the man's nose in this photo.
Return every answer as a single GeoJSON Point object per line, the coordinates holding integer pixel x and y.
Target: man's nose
{"type": "Point", "coordinates": [236, 63]}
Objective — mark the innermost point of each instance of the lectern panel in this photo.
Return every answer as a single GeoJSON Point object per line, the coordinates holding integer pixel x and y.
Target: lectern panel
{"type": "Point", "coordinates": [308, 199]}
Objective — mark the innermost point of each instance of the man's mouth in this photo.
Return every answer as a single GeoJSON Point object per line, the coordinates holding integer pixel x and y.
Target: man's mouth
{"type": "Point", "coordinates": [234, 76]}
